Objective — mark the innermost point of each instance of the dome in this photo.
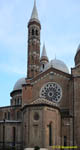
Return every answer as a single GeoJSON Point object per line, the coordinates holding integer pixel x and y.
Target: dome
{"type": "Point", "coordinates": [19, 83]}
{"type": "Point", "coordinates": [57, 64]}
{"type": "Point", "coordinates": [78, 49]}
{"type": "Point", "coordinates": [77, 56]}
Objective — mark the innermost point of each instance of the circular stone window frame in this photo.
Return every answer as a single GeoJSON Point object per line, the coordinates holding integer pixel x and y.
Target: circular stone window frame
{"type": "Point", "coordinates": [44, 87]}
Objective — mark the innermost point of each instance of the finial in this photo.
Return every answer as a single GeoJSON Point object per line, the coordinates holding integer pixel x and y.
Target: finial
{"type": "Point", "coordinates": [44, 46]}
{"type": "Point", "coordinates": [34, 2]}
{"type": "Point", "coordinates": [44, 50]}
{"type": "Point", "coordinates": [55, 56]}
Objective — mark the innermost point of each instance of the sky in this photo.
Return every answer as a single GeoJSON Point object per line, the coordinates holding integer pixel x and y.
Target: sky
{"type": "Point", "coordinates": [60, 22]}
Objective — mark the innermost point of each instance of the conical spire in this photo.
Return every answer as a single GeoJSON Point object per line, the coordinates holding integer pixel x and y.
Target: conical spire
{"type": "Point", "coordinates": [34, 14]}
{"type": "Point", "coordinates": [44, 54]}
{"type": "Point", "coordinates": [44, 51]}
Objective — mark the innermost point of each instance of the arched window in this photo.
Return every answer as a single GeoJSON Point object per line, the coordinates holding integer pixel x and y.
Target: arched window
{"type": "Point", "coordinates": [5, 115]}
{"type": "Point", "coordinates": [36, 32]}
{"type": "Point", "coordinates": [50, 134]}
{"type": "Point", "coordinates": [18, 101]}
{"type": "Point", "coordinates": [14, 135]}
{"type": "Point", "coordinates": [8, 115]}
{"type": "Point", "coordinates": [32, 31]}
{"type": "Point", "coordinates": [43, 66]}
{"type": "Point", "coordinates": [32, 58]}
{"type": "Point", "coordinates": [65, 140]}
{"type": "Point", "coordinates": [15, 101]}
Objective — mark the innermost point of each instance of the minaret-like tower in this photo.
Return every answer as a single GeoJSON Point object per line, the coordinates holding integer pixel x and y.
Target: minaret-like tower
{"type": "Point", "coordinates": [34, 28]}
{"type": "Point", "coordinates": [44, 59]}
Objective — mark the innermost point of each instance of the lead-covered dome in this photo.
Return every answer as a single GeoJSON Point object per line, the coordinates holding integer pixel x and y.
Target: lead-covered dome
{"type": "Point", "coordinates": [77, 56]}
{"type": "Point", "coordinates": [19, 83]}
{"type": "Point", "coordinates": [78, 49]}
{"type": "Point", "coordinates": [57, 64]}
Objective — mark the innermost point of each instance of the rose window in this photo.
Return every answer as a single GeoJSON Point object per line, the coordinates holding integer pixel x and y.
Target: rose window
{"type": "Point", "coordinates": [51, 91]}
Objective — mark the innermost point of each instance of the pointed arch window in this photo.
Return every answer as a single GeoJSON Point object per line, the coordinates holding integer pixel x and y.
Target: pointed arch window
{"type": "Point", "coordinates": [32, 31]}
{"type": "Point", "coordinates": [43, 66]}
{"type": "Point", "coordinates": [8, 115]}
{"type": "Point", "coordinates": [5, 115]}
{"type": "Point", "coordinates": [50, 133]}
{"type": "Point", "coordinates": [14, 135]}
{"type": "Point", "coordinates": [65, 140]}
{"type": "Point", "coordinates": [36, 32]}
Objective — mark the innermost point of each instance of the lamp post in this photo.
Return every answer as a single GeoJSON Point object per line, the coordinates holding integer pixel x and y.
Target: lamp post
{"type": "Point", "coordinates": [3, 134]}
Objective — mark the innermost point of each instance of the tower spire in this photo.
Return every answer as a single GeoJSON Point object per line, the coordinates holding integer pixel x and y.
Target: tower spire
{"type": "Point", "coordinates": [34, 28]}
{"type": "Point", "coordinates": [44, 59]}
{"type": "Point", "coordinates": [44, 54]}
{"type": "Point", "coordinates": [34, 14]}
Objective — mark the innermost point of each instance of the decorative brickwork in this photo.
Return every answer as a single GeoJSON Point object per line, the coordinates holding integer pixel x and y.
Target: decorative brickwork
{"type": "Point", "coordinates": [33, 49]}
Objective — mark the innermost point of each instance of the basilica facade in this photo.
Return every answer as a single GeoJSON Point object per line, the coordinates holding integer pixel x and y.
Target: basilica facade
{"type": "Point", "coordinates": [45, 105]}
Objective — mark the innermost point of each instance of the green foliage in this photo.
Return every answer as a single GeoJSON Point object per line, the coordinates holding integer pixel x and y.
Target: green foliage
{"type": "Point", "coordinates": [36, 148]}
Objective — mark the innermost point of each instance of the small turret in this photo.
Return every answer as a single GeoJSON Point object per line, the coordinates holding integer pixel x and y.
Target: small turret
{"type": "Point", "coordinates": [44, 54]}
{"type": "Point", "coordinates": [44, 59]}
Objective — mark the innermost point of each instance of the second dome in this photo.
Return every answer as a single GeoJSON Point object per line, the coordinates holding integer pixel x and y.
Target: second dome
{"type": "Point", "coordinates": [57, 64]}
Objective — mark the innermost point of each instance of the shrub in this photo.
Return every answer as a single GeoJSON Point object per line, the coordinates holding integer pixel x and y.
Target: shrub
{"type": "Point", "coordinates": [36, 148]}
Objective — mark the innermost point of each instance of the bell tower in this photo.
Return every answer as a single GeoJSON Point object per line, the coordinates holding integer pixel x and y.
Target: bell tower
{"type": "Point", "coordinates": [34, 28]}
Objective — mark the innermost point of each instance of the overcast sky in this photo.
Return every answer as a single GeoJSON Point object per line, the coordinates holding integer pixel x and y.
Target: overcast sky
{"type": "Point", "coordinates": [60, 21]}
